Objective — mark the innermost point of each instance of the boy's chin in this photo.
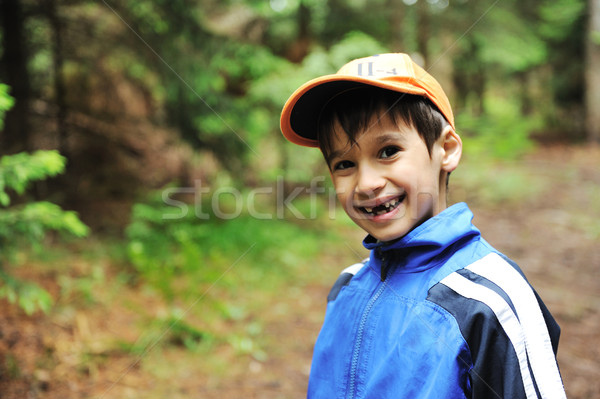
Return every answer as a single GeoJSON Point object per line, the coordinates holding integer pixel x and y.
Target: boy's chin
{"type": "Point", "coordinates": [386, 236]}
{"type": "Point", "coordinates": [390, 233]}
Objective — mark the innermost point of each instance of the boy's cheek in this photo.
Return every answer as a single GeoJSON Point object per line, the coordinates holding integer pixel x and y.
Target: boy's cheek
{"type": "Point", "coordinates": [347, 205]}
{"type": "Point", "coordinates": [423, 204]}
{"type": "Point", "coordinates": [346, 202]}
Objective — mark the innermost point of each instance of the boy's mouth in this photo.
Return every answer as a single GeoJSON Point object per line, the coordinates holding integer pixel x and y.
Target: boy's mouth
{"type": "Point", "coordinates": [383, 208]}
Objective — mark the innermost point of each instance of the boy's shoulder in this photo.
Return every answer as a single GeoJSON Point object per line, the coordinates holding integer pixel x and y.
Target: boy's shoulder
{"type": "Point", "coordinates": [499, 312]}
{"type": "Point", "coordinates": [493, 293]}
{"type": "Point", "coordinates": [344, 278]}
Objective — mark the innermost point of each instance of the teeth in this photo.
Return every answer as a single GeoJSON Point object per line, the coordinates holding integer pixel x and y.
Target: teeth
{"type": "Point", "coordinates": [387, 205]}
{"type": "Point", "coordinates": [390, 203]}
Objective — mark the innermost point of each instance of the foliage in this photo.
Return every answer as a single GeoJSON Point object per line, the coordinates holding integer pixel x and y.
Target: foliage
{"type": "Point", "coordinates": [172, 329]}
{"type": "Point", "coordinates": [19, 170]}
{"type": "Point", "coordinates": [514, 46]}
{"type": "Point", "coordinates": [500, 135]}
{"type": "Point", "coordinates": [275, 87]}
{"type": "Point", "coordinates": [218, 72]}
{"type": "Point", "coordinates": [559, 18]}
{"type": "Point", "coordinates": [195, 253]}
{"type": "Point", "coordinates": [26, 224]}
{"type": "Point", "coordinates": [496, 183]}
{"type": "Point", "coordinates": [560, 26]}
{"type": "Point", "coordinates": [6, 102]}
{"type": "Point", "coordinates": [200, 245]}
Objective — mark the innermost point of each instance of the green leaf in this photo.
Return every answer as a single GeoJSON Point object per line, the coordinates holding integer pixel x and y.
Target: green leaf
{"type": "Point", "coordinates": [17, 171]}
{"type": "Point", "coordinates": [29, 296]}
{"type": "Point", "coordinates": [26, 225]}
{"type": "Point", "coordinates": [512, 44]}
{"type": "Point", "coordinates": [559, 17]}
{"type": "Point", "coordinates": [4, 198]}
{"type": "Point", "coordinates": [6, 103]}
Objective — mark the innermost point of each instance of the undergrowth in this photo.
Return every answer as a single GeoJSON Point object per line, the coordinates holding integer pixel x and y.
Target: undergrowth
{"type": "Point", "coordinates": [215, 274]}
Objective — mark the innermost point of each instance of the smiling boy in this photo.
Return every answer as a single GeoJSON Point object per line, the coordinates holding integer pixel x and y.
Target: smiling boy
{"type": "Point", "coordinates": [435, 312]}
{"type": "Point", "coordinates": [390, 182]}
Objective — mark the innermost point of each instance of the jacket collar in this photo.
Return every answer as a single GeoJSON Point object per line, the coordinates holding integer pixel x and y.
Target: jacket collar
{"type": "Point", "coordinates": [426, 245]}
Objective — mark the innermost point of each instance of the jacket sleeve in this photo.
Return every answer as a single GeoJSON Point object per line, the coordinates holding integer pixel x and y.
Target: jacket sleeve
{"type": "Point", "coordinates": [511, 336]}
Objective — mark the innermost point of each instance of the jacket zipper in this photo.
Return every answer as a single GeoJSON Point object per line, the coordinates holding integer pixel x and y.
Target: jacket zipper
{"type": "Point", "coordinates": [359, 336]}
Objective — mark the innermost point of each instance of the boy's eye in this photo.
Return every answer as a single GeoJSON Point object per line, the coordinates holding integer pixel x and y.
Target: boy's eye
{"type": "Point", "coordinates": [388, 151]}
{"type": "Point", "coordinates": [343, 165]}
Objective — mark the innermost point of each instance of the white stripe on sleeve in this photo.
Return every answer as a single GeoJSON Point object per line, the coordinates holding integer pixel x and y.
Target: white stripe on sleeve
{"type": "Point", "coordinates": [506, 317]}
{"type": "Point", "coordinates": [355, 268]}
{"type": "Point", "coordinates": [537, 340]}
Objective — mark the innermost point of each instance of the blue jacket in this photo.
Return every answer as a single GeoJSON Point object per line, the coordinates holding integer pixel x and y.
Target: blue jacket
{"type": "Point", "coordinates": [437, 314]}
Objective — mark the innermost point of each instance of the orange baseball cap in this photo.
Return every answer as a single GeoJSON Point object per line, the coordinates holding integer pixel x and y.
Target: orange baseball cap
{"type": "Point", "coordinates": [394, 71]}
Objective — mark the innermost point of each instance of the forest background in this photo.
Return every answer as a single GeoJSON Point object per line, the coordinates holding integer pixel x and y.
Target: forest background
{"type": "Point", "coordinates": [158, 236]}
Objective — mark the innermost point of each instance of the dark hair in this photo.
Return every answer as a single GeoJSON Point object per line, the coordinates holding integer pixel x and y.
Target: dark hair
{"type": "Point", "coordinates": [354, 110]}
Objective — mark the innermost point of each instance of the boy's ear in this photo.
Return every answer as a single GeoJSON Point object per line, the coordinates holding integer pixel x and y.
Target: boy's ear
{"type": "Point", "coordinates": [452, 149]}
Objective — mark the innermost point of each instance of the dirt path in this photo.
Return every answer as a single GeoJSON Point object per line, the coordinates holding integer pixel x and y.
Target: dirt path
{"type": "Point", "coordinates": [556, 240]}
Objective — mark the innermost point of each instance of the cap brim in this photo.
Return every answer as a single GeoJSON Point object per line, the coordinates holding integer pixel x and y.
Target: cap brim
{"type": "Point", "coordinates": [300, 114]}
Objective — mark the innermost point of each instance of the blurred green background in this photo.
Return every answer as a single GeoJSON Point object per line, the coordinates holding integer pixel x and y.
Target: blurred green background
{"type": "Point", "coordinates": [159, 237]}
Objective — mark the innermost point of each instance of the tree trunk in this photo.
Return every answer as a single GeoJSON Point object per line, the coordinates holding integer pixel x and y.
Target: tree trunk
{"type": "Point", "coordinates": [301, 46]}
{"type": "Point", "coordinates": [592, 73]}
{"type": "Point", "coordinates": [396, 21]}
{"type": "Point", "coordinates": [478, 80]}
{"type": "Point", "coordinates": [15, 136]}
{"type": "Point", "coordinates": [59, 83]}
{"type": "Point", "coordinates": [525, 93]}
{"type": "Point", "coordinates": [423, 31]}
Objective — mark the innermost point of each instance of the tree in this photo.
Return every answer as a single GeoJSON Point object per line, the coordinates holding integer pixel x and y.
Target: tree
{"type": "Point", "coordinates": [561, 27]}
{"type": "Point", "coordinates": [114, 73]}
{"type": "Point", "coordinates": [15, 73]}
{"type": "Point", "coordinates": [592, 71]}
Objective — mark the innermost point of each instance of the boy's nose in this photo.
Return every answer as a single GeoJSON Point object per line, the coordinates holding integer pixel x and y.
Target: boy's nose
{"type": "Point", "coordinates": [370, 182]}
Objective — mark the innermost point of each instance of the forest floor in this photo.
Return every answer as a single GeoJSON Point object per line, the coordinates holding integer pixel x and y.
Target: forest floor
{"type": "Point", "coordinates": [552, 229]}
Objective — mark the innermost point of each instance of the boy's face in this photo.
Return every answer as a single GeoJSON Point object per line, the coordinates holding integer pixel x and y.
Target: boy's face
{"type": "Point", "coordinates": [387, 182]}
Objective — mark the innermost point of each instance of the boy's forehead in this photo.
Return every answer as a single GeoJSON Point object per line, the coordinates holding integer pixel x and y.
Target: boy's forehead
{"type": "Point", "coordinates": [380, 129]}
